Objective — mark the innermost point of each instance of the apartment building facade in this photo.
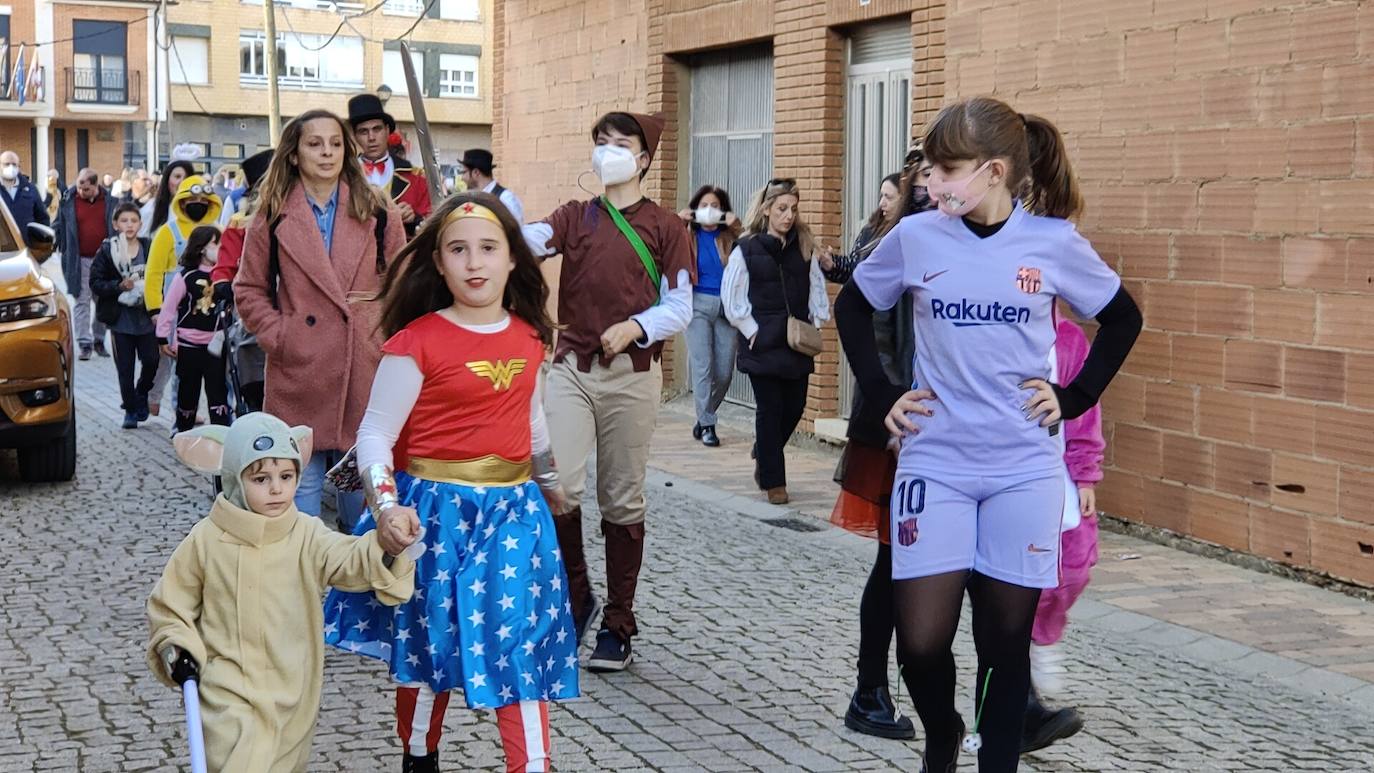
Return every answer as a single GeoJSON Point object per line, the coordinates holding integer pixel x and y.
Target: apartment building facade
{"type": "Point", "coordinates": [1227, 154]}
{"type": "Point", "coordinates": [326, 53]}
{"type": "Point", "coordinates": [78, 75]}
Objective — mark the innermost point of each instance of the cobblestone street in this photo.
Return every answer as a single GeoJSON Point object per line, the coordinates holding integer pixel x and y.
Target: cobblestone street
{"type": "Point", "coordinates": [745, 661]}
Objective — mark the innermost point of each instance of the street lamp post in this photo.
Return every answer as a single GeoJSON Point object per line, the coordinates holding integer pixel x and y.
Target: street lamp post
{"type": "Point", "coordinates": [270, 52]}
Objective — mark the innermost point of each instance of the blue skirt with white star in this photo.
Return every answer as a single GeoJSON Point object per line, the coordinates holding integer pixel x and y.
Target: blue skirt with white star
{"type": "Point", "coordinates": [490, 614]}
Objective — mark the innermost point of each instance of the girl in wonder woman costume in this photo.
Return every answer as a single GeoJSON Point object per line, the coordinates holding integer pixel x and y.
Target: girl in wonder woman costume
{"type": "Point", "coordinates": [455, 430]}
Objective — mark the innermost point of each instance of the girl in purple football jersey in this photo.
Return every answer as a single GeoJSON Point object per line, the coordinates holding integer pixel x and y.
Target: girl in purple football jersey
{"type": "Point", "coordinates": [979, 492]}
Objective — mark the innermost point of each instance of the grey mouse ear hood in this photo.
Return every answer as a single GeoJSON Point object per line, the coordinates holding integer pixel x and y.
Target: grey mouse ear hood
{"type": "Point", "coordinates": [228, 451]}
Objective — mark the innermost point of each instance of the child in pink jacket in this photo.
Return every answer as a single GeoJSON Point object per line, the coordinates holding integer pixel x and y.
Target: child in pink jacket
{"type": "Point", "coordinates": [187, 324]}
{"type": "Point", "coordinates": [1083, 447]}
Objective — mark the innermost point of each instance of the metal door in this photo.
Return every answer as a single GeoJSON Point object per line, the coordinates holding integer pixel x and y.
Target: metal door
{"type": "Point", "coordinates": [731, 143]}
{"type": "Point", "coordinates": [877, 132]}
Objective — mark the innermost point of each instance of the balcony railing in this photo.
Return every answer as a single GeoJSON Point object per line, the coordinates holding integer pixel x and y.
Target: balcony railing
{"type": "Point", "coordinates": [33, 89]}
{"type": "Point", "coordinates": [88, 86]}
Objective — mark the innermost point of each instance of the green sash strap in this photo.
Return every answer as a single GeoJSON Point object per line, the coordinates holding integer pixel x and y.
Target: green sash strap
{"type": "Point", "coordinates": [643, 251]}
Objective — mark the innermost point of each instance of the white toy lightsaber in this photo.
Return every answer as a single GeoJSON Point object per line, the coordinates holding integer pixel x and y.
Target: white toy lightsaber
{"type": "Point", "coordinates": [190, 695]}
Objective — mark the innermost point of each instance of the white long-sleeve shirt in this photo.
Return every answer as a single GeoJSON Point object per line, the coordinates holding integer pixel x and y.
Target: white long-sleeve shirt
{"type": "Point", "coordinates": [669, 317]}
{"type": "Point", "coordinates": [508, 198]}
{"type": "Point", "coordinates": [734, 295]}
{"type": "Point", "coordinates": [395, 389]}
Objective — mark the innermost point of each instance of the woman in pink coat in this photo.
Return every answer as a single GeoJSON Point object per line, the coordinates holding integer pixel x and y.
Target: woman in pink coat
{"type": "Point", "coordinates": [313, 260]}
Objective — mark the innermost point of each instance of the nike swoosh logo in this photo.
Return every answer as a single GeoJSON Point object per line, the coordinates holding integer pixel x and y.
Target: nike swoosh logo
{"type": "Point", "coordinates": [929, 277]}
{"type": "Point", "coordinates": [1033, 548]}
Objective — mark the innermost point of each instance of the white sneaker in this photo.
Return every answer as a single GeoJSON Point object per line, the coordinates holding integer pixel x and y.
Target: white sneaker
{"type": "Point", "coordinates": [1047, 668]}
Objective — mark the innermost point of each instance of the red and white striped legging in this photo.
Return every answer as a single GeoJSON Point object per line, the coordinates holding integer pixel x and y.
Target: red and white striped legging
{"type": "Point", "coordinates": [524, 727]}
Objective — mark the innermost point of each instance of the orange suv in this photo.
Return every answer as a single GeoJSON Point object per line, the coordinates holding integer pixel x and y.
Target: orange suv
{"type": "Point", "coordinates": [37, 406]}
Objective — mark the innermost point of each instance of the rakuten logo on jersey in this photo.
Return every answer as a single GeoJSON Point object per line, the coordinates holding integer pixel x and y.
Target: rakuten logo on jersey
{"type": "Point", "coordinates": [965, 313]}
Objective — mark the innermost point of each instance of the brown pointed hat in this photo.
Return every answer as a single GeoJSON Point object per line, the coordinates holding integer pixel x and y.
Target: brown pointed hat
{"type": "Point", "coordinates": [652, 126]}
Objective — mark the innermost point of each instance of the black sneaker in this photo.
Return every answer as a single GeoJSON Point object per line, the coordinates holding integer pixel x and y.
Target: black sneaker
{"type": "Point", "coordinates": [426, 764]}
{"type": "Point", "coordinates": [580, 626]}
{"type": "Point", "coordinates": [85, 353]}
{"type": "Point", "coordinates": [696, 431]}
{"type": "Point", "coordinates": [872, 712]}
{"type": "Point", "coordinates": [130, 420]}
{"type": "Point", "coordinates": [1043, 726]}
{"type": "Point", "coordinates": [100, 349]}
{"type": "Point", "coordinates": [708, 437]}
{"type": "Point", "coordinates": [612, 653]}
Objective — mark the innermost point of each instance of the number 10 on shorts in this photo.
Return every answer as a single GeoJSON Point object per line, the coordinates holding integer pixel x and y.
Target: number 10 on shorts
{"type": "Point", "coordinates": [910, 499]}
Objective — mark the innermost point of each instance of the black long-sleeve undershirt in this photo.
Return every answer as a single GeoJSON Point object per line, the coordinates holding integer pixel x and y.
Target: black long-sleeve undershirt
{"type": "Point", "coordinates": [1120, 322]}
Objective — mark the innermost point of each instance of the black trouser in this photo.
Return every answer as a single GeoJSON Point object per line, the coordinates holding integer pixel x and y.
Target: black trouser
{"type": "Point", "coordinates": [876, 621]}
{"type": "Point", "coordinates": [779, 405]}
{"type": "Point", "coordinates": [195, 366]}
{"type": "Point", "coordinates": [128, 349]}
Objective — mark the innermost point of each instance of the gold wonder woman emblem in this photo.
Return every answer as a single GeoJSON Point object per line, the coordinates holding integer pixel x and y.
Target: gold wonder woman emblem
{"type": "Point", "coordinates": [500, 373]}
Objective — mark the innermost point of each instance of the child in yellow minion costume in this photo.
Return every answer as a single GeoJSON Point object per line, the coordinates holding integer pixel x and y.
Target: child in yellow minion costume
{"type": "Point", "coordinates": [195, 204]}
{"type": "Point", "coordinates": [238, 605]}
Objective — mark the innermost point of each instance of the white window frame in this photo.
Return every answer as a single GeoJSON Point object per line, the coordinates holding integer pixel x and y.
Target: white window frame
{"type": "Point", "coordinates": [455, 81]}
{"type": "Point", "coordinates": [177, 60]}
{"type": "Point", "coordinates": [302, 68]}
{"type": "Point", "coordinates": [412, 8]}
{"type": "Point", "coordinates": [461, 10]}
{"type": "Point", "coordinates": [401, 89]}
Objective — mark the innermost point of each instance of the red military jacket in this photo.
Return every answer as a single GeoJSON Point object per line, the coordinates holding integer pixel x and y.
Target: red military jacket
{"type": "Point", "coordinates": [408, 185]}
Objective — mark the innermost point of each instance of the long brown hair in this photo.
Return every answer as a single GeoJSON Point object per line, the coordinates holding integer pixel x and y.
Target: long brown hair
{"type": "Point", "coordinates": [283, 175]}
{"type": "Point", "coordinates": [758, 213]}
{"type": "Point", "coordinates": [414, 286]}
{"type": "Point", "coordinates": [984, 128]}
{"type": "Point", "coordinates": [876, 220]}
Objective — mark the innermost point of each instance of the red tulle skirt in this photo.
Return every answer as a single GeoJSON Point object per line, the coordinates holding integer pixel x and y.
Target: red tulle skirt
{"type": "Point", "coordinates": [866, 476]}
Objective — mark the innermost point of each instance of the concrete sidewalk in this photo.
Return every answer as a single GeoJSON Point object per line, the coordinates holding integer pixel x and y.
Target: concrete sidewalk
{"type": "Point", "coordinates": [1320, 637]}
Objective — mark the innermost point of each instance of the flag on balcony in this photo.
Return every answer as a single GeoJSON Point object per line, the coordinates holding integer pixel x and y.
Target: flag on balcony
{"type": "Point", "coordinates": [35, 85]}
{"type": "Point", "coordinates": [18, 79]}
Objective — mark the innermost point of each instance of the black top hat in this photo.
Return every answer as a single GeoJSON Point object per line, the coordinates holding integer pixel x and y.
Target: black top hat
{"type": "Point", "coordinates": [478, 159]}
{"type": "Point", "coordinates": [366, 107]}
{"type": "Point", "coordinates": [255, 166]}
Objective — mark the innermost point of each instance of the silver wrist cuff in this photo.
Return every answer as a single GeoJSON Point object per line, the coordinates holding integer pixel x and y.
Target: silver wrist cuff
{"type": "Point", "coordinates": [545, 470]}
{"type": "Point", "coordinates": [379, 486]}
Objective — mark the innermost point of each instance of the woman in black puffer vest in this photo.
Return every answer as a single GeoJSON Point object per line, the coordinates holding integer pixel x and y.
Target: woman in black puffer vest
{"type": "Point", "coordinates": [773, 275]}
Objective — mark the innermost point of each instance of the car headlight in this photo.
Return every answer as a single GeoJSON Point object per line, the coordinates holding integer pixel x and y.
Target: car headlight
{"type": "Point", "coordinates": [37, 307]}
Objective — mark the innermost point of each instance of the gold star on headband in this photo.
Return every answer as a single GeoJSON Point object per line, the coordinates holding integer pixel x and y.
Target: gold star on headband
{"type": "Point", "coordinates": [470, 209]}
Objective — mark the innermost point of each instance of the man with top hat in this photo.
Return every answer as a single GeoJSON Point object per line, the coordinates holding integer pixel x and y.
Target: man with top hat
{"type": "Point", "coordinates": [477, 166]}
{"type": "Point", "coordinates": [372, 129]}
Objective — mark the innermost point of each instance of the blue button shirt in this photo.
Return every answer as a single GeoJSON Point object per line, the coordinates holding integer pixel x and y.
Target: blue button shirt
{"type": "Point", "coordinates": [710, 270]}
{"type": "Point", "coordinates": [324, 218]}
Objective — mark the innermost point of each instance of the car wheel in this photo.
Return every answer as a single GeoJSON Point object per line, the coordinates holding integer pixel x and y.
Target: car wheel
{"type": "Point", "coordinates": [53, 461]}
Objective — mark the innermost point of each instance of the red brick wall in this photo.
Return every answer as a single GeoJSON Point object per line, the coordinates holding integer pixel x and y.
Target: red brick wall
{"type": "Point", "coordinates": [1227, 152]}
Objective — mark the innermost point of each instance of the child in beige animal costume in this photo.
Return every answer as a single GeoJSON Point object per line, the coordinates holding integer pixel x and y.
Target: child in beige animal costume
{"type": "Point", "coordinates": [238, 605]}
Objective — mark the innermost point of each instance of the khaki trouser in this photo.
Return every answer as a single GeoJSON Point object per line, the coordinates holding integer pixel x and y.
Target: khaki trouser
{"type": "Point", "coordinates": [610, 410]}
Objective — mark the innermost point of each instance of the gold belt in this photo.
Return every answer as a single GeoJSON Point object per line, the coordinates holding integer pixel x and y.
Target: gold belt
{"type": "Point", "coordinates": [487, 470]}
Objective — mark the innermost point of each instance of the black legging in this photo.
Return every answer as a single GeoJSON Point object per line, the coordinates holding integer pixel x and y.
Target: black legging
{"type": "Point", "coordinates": [927, 619]}
{"type": "Point", "coordinates": [196, 366]}
{"type": "Point", "coordinates": [876, 621]}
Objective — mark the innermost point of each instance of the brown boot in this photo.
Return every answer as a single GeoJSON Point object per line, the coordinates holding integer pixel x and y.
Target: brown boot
{"type": "Point", "coordinates": [624, 556]}
{"type": "Point", "coordinates": [569, 528]}
{"type": "Point", "coordinates": [778, 496]}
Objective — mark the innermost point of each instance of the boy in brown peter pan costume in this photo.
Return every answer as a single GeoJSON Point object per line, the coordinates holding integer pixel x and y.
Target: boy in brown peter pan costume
{"type": "Point", "coordinates": [238, 605]}
{"type": "Point", "coordinates": [625, 288]}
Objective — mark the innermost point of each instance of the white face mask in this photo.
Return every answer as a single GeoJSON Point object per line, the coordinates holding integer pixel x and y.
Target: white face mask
{"type": "Point", "coordinates": [709, 216]}
{"type": "Point", "coordinates": [10, 172]}
{"type": "Point", "coordinates": [614, 164]}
